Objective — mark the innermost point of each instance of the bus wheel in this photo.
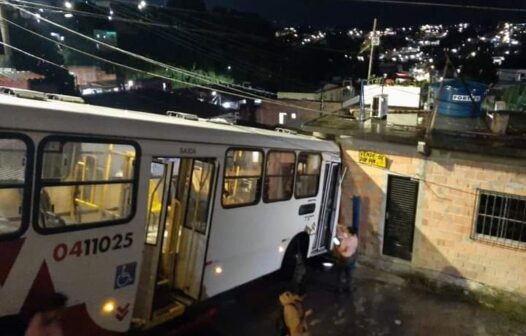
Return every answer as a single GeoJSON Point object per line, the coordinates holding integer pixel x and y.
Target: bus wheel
{"type": "Point", "coordinates": [293, 267]}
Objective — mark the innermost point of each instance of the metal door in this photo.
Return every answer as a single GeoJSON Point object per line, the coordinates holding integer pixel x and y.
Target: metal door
{"type": "Point", "coordinates": [159, 183]}
{"type": "Point", "coordinates": [402, 194]}
{"type": "Point", "coordinates": [193, 233]}
{"type": "Point", "coordinates": [327, 219]}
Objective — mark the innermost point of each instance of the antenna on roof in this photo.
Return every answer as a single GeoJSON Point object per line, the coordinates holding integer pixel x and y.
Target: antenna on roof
{"type": "Point", "coordinates": [221, 121]}
{"type": "Point", "coordinates": [284, 130]}
{"type": "Point", "coordinates": [65, 98]}
{"type": "Point", "coordinates": [181, 115]}
{"type": "Point", "coordinates": [20, 93]}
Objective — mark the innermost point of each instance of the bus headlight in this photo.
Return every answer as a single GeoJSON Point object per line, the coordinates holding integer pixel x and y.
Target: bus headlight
{"type": "Point", "coordinates": [108, 307]}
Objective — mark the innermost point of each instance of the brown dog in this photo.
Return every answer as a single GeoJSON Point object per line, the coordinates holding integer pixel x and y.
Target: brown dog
{"type": "Point", "coordinates": [294, 315]}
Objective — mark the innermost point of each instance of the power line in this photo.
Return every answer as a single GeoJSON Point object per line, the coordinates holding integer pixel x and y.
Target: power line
{"type": "Point", "coordinates": [436, 4]}
{"type": "Point", "coordinates": [188, 42]}
{"type": "Point", "coordinates": [143, 58]}
{"type": "Point", "coordinates": [255, 130]}
{"type": "Point", "coordinates": [33, 56]}
{"type": "Point", "coordinates": [223, 34]}
{"type": "Point", "coordinates": [270, 101]}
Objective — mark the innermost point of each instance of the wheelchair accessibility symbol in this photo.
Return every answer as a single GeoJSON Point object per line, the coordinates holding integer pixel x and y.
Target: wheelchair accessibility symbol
{"type": "Point", "coordinates": [125, 275]}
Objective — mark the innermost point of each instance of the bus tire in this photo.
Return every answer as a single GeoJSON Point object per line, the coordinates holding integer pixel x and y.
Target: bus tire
{"type": "Point", "coordinates": [293, 264]}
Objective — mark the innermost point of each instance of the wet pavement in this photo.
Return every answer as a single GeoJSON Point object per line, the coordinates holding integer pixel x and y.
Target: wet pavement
{"type": "Point", "coordinates": [379, 304]}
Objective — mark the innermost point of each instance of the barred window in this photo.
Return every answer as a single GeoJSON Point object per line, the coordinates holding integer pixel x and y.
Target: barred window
{"type": "Point", "coordinates": [279, 176]}
{"type": "Point", "coordinates": [308, 175]}
{"type": "Point", "coordinates": [242, 181]}
{"type": "Point", "coordinates": [84, 183]}
{"type": "Point", "coordinates": [501, 219]}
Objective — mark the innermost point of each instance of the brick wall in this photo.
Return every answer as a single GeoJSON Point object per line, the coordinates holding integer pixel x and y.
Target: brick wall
{"type": "Point", "coordinates": [445, 211]}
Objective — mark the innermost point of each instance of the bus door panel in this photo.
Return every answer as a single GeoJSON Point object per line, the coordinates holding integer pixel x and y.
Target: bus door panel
{"type": "Point", "coordinates": [191, 247]}
{"type": "Point", "coordinates": [328, 211]}
{"type": "Point", "coordinates": [160, 174]}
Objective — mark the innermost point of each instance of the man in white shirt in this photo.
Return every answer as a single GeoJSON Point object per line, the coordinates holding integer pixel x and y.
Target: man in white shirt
{"type": "Point", "coordinates": [346, 247]}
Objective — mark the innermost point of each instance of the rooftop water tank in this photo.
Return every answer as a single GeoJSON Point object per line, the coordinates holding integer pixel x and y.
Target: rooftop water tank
{"type": "Point", "coordinates": [459, 98]}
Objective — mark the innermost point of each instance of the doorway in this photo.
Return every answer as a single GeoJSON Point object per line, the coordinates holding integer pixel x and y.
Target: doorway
{"type": "Point", "coordinates": [177, 226]}
{"type": "Point", "coordinates": [400, 213]}
{"type": "Point", "coordinates": [328, 208]}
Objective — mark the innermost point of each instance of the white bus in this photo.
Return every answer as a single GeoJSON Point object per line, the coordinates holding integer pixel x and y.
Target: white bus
{"type": "Point", "coordinates": [136, 216]}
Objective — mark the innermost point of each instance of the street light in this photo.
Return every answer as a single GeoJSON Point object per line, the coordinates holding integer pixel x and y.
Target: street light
{"type": "Point", "coordinates": [68, 5]}
{"type": "Point", "coordinates": [229, 68]}
{"type": "Point", "coordinates": [141, 5]}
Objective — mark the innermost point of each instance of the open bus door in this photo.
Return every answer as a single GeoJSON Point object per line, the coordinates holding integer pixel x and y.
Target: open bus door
{"type": "Point", "coordinates": [328, 212]}
{"type": "Point", "coordinates": [179, 205]}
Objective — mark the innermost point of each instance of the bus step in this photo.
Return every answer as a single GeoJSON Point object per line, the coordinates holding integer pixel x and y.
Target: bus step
{"type": "Point", "coordinates": [163, 315]}
{"type": "Point", "coordinates": [183, 298]}
{"type": "Point", "coordinates": [318, 251]}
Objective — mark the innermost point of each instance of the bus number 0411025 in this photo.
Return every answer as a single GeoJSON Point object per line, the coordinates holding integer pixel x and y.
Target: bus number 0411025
{"type": "Point", "coordinates": [93, 246]}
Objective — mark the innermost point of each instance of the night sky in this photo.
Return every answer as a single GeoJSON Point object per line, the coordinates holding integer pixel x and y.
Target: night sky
{"type": "Point", "coordinates": [348, 13]}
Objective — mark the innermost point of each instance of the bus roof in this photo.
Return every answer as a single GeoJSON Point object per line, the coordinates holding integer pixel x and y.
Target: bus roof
{"type": "Point", "coordinates": [67, 117]}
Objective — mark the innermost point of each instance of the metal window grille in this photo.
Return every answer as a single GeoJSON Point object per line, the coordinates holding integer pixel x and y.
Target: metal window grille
{"type": "Point", "coordinates": [501, 219]}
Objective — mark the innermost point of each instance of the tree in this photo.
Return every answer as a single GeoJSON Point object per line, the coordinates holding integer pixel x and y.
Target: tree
{"type": "Point", "coordinates": [55, 76]}
{"type": "Point", "coordinates": [194, 5]}
{"type": "Point", "coordinates": [480, 68]}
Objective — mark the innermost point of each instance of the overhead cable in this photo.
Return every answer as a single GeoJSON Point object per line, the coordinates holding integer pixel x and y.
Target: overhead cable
{"type": "Point", "coordinates": [270, 101]}
{"type": "Point", "coordinates": [33, 56]}
{"type": "Point", "coordinates": [141, 57]}
{"type": "Point", "coordinates": [442, 4]}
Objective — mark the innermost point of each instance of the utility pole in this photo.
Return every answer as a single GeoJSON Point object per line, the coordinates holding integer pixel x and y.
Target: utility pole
{"type": "Point", "coordinates": [373, 43]}
{"type": "Point", "coordinates": [4, 30]}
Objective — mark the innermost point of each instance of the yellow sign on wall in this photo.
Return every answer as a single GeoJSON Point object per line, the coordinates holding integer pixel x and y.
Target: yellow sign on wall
{"type": "Point", "coordinates": [373, 159]}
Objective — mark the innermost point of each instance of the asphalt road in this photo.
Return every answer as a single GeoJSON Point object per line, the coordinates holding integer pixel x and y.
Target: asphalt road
{"type": "Point", "coordinates": [380, 304]}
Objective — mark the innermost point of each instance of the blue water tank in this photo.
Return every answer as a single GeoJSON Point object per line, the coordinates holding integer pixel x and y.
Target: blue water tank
{"type": "Point", "coordinates": [458, 98]}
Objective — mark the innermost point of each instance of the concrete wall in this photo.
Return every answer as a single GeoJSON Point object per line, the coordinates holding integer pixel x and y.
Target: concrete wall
{"type": "Point", "coordinates": [397, 95]}
{"type": "Point", "coordinates": [333, 94]}
{"type": "Point", "coordinates": [16, 83]}
{"type": "Point", "coordinates": [86, 74]}
{"type": "Point", "coordinates": [268, 114]}
{"type": "Point", "coordinates": [448, 182]}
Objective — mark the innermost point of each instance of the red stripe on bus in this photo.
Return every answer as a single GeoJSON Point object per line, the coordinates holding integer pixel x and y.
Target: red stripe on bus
{"type": "Point", "coordinates": [8, 253]}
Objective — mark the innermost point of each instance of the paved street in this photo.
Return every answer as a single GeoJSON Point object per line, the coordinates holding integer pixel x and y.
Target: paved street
{"type": "Point", "coordinates": [381, 304]}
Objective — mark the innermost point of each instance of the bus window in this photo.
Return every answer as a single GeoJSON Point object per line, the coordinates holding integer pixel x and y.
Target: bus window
{"type": "Point", "coordinates": [12, 184]}
{"type": "Point", "coordinates": [308, 175]}
{"type": "Point", "coordinates": [84, 183]}
{"type": "Point", "coordinates": [279, 176]}
{"type": "Point", "coordinates": [198, 199]}
{"type": "Point", "coordinates": [242, 182]}
{"type": "Point", "coordinates": [155, 198]}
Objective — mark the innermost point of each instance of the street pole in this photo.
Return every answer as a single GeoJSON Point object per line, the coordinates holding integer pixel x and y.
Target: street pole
{"type": "Point", "coordinates": [362, 102]}
{"type": "Point", "coordinates": [372, 52]}
{"type": "Point", "coordinates": [4, 31]}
